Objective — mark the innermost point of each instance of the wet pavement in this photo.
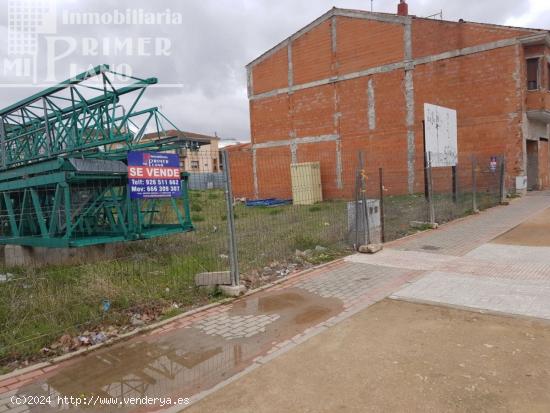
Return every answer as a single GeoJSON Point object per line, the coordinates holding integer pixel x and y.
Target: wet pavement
{"type": "Point", "coordinates": [185, 361]}
{"type": "Point", "coordinates": [194, 355]}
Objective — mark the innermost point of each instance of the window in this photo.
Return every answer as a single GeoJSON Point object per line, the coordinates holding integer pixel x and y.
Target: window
{"type": "Point", "coordinates": [194, 164]}
{"type": "Point", "coordinates": [532, 74]}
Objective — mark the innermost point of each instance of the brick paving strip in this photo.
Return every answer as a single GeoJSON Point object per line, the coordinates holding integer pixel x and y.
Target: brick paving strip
{"type": "Point", "coordinates": [356, 282]}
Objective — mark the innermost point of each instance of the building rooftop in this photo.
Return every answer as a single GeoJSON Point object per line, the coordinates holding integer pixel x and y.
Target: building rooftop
{"type": "Point", "coordinates": [389, 17]}
{"type": "Point", "coordinates": [197, 137]}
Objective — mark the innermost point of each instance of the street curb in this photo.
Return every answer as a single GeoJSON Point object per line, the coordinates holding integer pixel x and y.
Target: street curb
{"type": "Point", "coordinates": [482, 311]}
{"type": "Point", "coordinates": [46, 366]}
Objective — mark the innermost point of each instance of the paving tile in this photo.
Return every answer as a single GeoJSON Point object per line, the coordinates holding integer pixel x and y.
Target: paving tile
{"type": "Point", "coordinates": [521, 297]}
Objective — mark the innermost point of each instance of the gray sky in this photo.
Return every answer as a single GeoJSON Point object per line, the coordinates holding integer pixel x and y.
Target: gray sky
{"type": "Point", "coordinates": [213, 43]}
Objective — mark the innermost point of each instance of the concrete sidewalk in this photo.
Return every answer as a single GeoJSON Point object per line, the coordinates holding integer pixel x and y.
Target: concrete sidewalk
{"type": "Point", "coordinates": [195, 356]}
{"type": "Point", "coordinates": [399, 356]}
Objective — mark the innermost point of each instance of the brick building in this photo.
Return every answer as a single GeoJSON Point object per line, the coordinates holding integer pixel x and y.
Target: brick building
{"type": "Point", "coordinates": [355, 80]}
{"type": "Point", "coordinates": [206, 157]}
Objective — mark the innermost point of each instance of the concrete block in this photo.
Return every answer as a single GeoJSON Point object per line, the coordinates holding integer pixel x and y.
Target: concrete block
{"type": "Point", "coordinates": [21, 255]}
{"type": "Point", "coordinates": [370, 248]}
{"type": "Point", "coordinates": [233, 291]}
{"type": "Point", "coordinates": [213, 278]}
{"type": "Point", "coordinates": [423, 225]}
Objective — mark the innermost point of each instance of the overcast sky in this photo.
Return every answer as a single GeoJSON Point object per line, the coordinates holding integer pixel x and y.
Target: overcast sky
{"type": "Point", "coordinates": [213, 43]}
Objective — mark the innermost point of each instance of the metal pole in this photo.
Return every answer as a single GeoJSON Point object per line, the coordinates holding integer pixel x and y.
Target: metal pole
{"type": "Point", "coordinates": [357, 186]}
{"type": "Point", "coordinates": [474, 185]}
{"type": "Point", "coordinates": [431, 210]}
{"type": "Point", "coordinates": [382, 227]}
{"type": "Point", "coordinates": [232, 240]}
{"type": "Point", "coordinates": [502, 181]}
{"type": "Point", "coordinates": [364, 201]}
{"type": "Point", "coordinates": [426, 185]}
{"type": "Point", "coordinates": [454, 183]}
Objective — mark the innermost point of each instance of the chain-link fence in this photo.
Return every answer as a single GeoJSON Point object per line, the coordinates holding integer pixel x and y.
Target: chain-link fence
{"type": "Point", "coordinates": [280, 211]}
{"type": "Point", "coordinates": [468, 187]}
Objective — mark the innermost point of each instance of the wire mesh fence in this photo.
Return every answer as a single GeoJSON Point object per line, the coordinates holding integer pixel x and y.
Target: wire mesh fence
{"type": "Point", "coordinates": [472, 185]}
{"type": "Point", "coordinates": [289, 210]}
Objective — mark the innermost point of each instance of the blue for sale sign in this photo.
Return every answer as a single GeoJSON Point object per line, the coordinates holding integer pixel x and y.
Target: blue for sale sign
{"type": "Point", "coordinates": [154, 175]}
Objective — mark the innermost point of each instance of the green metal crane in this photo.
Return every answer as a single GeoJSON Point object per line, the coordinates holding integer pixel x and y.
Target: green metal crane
{"type": "Point", "coordinates": [63, 172]}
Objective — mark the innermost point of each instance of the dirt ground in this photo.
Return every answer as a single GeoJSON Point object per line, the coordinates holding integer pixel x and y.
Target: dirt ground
{"type": "Point", "coordinates": [403, 357]}
{"type": "Point", "coordinates": [535, 232]}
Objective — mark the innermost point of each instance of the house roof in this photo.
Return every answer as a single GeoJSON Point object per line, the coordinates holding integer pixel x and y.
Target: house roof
{"type": "Point", "coordinates": [239, 147]}
{"type": "Point", "coordinates": [197, 137]}
{"type": "Point", "coordinates": [387, 17]}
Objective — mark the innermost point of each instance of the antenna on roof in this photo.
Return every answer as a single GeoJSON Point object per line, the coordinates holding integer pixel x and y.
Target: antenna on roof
{"type": "Point", "coordinates": [433, 16]}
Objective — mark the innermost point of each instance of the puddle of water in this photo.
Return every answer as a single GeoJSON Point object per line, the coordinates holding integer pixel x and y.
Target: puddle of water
{"type": "Point", "coordinates": [278, 302]}
{"type": "Point", "coordinates": [311, 315]}
{"type": "Point", "coordinates": [186, 361]}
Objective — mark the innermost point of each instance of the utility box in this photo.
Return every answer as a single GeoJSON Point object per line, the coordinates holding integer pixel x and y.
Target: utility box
{"type": "Point", "coordinates": [306, 183]}
{"type": "Point", "coordinates": [365, 233]}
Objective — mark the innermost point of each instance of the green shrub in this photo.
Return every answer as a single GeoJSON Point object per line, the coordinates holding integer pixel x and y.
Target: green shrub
{"type": "Point", "coordinates": [305, 242]}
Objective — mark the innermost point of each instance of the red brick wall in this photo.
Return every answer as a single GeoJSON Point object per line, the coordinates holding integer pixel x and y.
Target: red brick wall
{"type": "Point", "coordinates": [270, 118]}
{"type": "Point", "coordinates": [312, 111]}
{"type": "Point", "coordinates": [273, 172]}
{"type": "Point", "coordinates": [483, 87]}
{"type": "Point", "coordinates": [433, 37]}
{"type": "Point", "coordinates": [386, 145]}
{"type": "Point", "coordinates": [312, 54]}
{"type": "Point", "coordinates": [366, 43]}
{"type": "Point", "coordinates": [485, 97]}
{"type": "Point", "coordinates": [271, 73]}
{"type": "Point", "coordinates": [240, 161]}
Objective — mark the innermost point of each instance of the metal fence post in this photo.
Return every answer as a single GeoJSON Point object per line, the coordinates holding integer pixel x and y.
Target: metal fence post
{"type": "Point", "coordinates": [357, 188]}
{"type": "Point", "coordinates": [232, 239]}
{"type": "Point", "coordinates": [454, 183]}
{"type": "Point", "coordinates": [431, 210]}
{"type": "Point", "coordinates": [364, 199]}
{"type": "Point", "coordinates": [502, 181]}
{"type": "Point", "coordinates": [474, 185]}
{"type": "Point", "coordinates": [382, 228]}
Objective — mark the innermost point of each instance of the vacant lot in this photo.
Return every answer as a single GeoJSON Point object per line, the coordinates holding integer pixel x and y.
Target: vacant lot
{"type": "Point", "coordinates": [154, 279]}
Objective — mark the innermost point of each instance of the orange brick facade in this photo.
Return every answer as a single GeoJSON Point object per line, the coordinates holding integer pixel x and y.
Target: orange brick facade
{"type": "Point", "coordinates": [356, 81]}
